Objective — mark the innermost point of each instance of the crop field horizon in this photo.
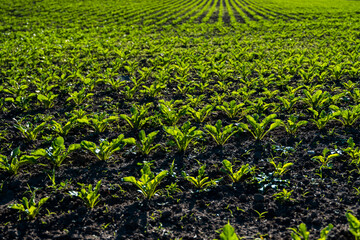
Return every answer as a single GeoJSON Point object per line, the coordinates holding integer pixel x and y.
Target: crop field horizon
{"type": "Point", "coordinates": [180, 119]}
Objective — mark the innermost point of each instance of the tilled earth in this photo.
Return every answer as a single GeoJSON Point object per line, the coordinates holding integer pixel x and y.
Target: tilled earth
{"type": "Point", "coordinates": [188, 213]}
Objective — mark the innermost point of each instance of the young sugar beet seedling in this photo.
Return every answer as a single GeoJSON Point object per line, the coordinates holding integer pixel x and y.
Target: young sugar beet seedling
{"type": "Point", "coordinates": [79, 97]}
{"type": "Point", "coordinates": [200, 115]}
{"type": "Point", "coordinates": [243, 172]}
{"type": "Point", "coordinates": [355, 95]}
{"type": "Point", "coordinates": [154, 90]}
{"type": "Point", "coordinates": [289, 102]}
{"type": "Point", "coordinates": [347, 117]}
{"type": "Point", "coordinates": [64, 129]}
{"type": "Point", "coordinates": [221, 134]}
{"type": "Point", "coordinates": [258, 129]}
{"type": "Point", "coordinates": [318, 100]}
{"type": "Point", "coordinates": [88, 82]}
{"type": "Point", "coordinates": [292, 125]}
{"type": "Point", "coordinates": [322, 118]}
{"type": "Point", "coordinates": [301, 233]}
{"type": "Point", "coordinates": [259, 106]}
{"type": "Point", "coordinates": [148, 181]}
{"type": "Point", "coordinates": [99, 122]}
{"type": "Point", "coordinates": [15, 89]}
{"type": "Point", "coordinates": [146, 141]}
{"type": "Point", "coordinates": [228, 233]}
{"type": "Point", "coordinates": [12, 163]}
{"type": "Point", "coordinates": [77, 114]}
{"type": "Point", "coordinates": [90, 196]}
{"type": "Point", "coordinates": [283, 196]}
{"type": "Point", "coordinates": [138, 116]}
{"type": "Point", "coordinates": [353, 152]}
{"type": "Point", "coordinates": [193, 101]}
{"type": "Point", "coordinates": [243, 93]}
{"type": "Point", "coordinates": [169, 114]}
{"type": "Point", "coordinates": [325, 159]}
{"type": "Point", "coordinates": [29, 130]}
{"type": "Point", "coordinates": [129, 92]}
{"type": "Point", "coordinates": [20, 97]}
{"type": "Point", "coordinates": [354, 225]}
{"type": "Point", "coordinates": [115, 83]}
{"type": "Point", "coordinates": [232, 109]}
{"type": "Point", "coordinates": [57, 153]}
{"type": "Point", "coordinates": [106, 148]}
{"type": "Point", "coordinates": [29, 206]}
{"type": "Point", "coordinates": [217, 98]}
{"type": "Point", "coordinates": [47, 100]}
{"type": "Point", "coordinates": [201, 182]}
{"type": "Point", "coordinates": [183, 136]}
{"type": "Point", "coordinates": [280, 168]}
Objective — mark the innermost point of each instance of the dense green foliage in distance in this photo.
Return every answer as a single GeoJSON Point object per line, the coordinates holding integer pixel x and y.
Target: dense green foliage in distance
{"type": "Point", "coordinates": [113, 80]}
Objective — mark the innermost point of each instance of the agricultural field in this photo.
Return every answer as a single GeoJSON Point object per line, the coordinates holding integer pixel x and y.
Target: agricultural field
{"type": "Point", "coordinates": [179, 119]}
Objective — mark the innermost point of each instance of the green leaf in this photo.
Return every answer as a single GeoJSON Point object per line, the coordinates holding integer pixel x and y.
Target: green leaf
{"type": "Point", "coordinates": [354, 224]}
{"type": "Point", "coordinates": [142, 135]}
{"type": "Point", "coordinates": [42, 97]}
{"type": "Point", "coordinates": [39, 152]}
{"type": "Point", "coordinates": [59, 141]}
{"type": "Point", "coordinates": [325, 232]}
{"type": "Point", "coordinates": [129, 141]}
{"type": "Point", "coordinates": [88, 145]}
{"type": "Point", "coordinates": [74, 147]}
{"type": "Point", "coordinates": [15, 152]}
{"type": "Point", "coordinates": [42, 201]}
{"type": "Point", "coordinates": [129, 179]}
{"type": "Point", "coordinates": [228, 233]}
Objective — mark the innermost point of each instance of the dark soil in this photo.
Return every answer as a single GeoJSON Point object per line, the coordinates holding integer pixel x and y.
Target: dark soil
{"type": "Point", "coordinates": [123, 213]}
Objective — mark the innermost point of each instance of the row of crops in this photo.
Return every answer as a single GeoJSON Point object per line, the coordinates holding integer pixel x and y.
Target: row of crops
{"type": "Point", "coordinates": [173, 119]}
{"type": "Point", "coordinates": [149, 13]}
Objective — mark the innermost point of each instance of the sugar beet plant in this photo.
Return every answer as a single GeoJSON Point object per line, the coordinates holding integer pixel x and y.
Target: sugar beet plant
{"type": "Point", "coordinates": [201, 181]}
{"type": "Point", "coordinates": [57, 152]}
{"type": "Point", "coordinates": [292, 125]}
{"type": "Point", "coordinates": [29, 206]}
{"type": "Point", "coordinates": [325, 159]}
{"type": "Point", "coordinates": [146, 142]}
{"type": "Point", "coordinates": [170, 115]}
{"type": "Point", "coordinates": [354, 225]}
{"type": "Point", "coordinates": [228, 233]}
{"type": "Point", "coordinates": [12, 163]}
{"type": "Point", "coordinates": [280, 168]}
{"type": "Point", "coordinates": [64, 128]}
{"type": "Point", "coordinates": [106, 149]}
{"type": "Point", "coordinates": [219, 133]}
{"type": "Point", "coordinates": [148, 181]}
{"type": "Point", "coordinates": [301, 233]}
{"type": "Point", "coordinates": [232, 109]}
{"type": "Point", "coordinates": [29, 130]}
{"type": "Point", "coordinates": [138, 117]}
{"type": "Point", "coordinates": [257, 128]}
{"type": "Point", "coordinates": [78, 97]}
{"type": "Point", "coordinates": [353, 152]}
{"type": "Point", "coordinates": [245, 171]}
{"type": "Point", "coordinates": [47, 100]}
{"type": "Point", "coordinates": [183, 136]}
{"type": "Point", "coordinates": [200, 115]}
{"type": "Point", "coordinates": [283, 196]}
{"type": "Point", "coordinates": [99, 122]}
{"type": "Point", "coordinates": [89, 195]}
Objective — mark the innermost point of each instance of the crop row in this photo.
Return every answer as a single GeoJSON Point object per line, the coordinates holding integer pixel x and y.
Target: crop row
{"type": "Point", "coordinates": [149, 13]}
